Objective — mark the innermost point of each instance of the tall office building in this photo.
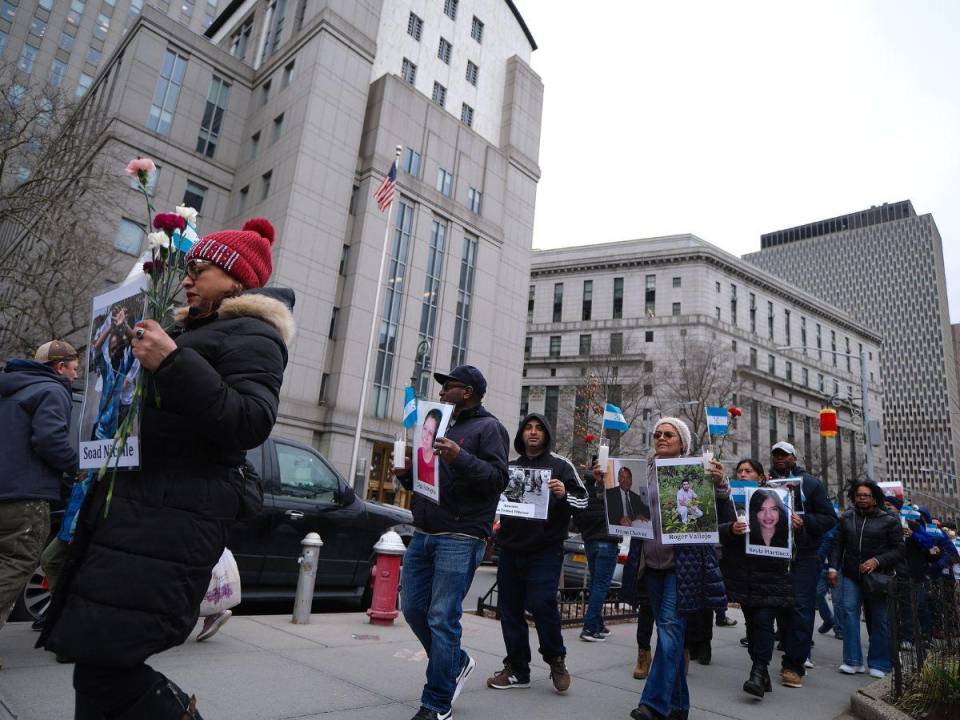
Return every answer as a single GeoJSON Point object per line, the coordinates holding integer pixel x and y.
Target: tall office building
{"type": "Point", "coordinates": [292, 110]}
{"type": "Point", "coordinates": [671, 324]}
{"type": "Point", "coordinates": [885, 266]}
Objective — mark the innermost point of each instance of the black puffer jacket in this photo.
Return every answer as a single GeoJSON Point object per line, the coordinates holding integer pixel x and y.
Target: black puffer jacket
{"type": "Point", "coordinates": [751, 580]}
{"type": "Point", "coordinates": [592, 522]}
{"type": "Point", "coordinates": [861, 536]}
{"type": "Point", "coordinates": [137, 573]}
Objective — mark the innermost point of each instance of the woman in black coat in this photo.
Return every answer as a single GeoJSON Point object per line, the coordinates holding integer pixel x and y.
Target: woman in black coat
{"type": "Point", "coordinates": [140, 567]}
{"type": "Point", "coordinates": [867, 550]}
{"type": "Point", "coordinates": [761, 585]}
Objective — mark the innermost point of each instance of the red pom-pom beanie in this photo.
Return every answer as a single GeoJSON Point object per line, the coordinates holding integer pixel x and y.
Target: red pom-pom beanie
{"type": "Point", "coordinates": [243, 254]}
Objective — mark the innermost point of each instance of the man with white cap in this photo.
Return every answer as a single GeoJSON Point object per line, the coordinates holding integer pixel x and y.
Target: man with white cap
{"type": "Point", "coordinates": [35, 406]}
{"type": "Point", "coordinates": [812, 517]}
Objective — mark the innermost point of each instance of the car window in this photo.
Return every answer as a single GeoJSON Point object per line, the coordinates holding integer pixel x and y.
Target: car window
{"type": "Point", "coordinates": [304, 475]}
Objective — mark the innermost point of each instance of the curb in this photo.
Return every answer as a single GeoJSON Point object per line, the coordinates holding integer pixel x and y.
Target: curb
{"type": "Point", "coordinates": [867, 703]}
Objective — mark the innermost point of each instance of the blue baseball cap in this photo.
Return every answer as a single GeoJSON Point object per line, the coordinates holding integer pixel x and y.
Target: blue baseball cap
{"type": "Point", "coordinates": [466, 374]}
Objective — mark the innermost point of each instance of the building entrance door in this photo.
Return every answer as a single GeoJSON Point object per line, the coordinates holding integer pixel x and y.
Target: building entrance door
{"type": "Point", "coordinates": [381, 485]}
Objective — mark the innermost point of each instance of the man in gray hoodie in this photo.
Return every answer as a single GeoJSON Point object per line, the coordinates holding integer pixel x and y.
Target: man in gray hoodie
{"type": "Point", "coordinates": [35, 446]}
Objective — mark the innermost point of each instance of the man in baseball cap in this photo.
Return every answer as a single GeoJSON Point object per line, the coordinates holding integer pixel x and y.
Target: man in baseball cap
{"type": "Point", "coordinates": [35, 407]}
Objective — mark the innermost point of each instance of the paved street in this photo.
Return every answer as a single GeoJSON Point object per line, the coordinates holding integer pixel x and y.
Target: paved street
{"type": "Point", "coordinates": [341, 668]}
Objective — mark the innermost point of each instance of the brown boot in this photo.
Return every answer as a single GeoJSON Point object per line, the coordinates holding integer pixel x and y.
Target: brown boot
{"type": "Point", "coordinates": [642, 669]}
{"type": "Point", "coordinates": [559, 674]}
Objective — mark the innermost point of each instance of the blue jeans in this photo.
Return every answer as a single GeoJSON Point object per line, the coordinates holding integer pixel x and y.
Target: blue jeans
{"type": "Point", "coordinates": [666, 686]}
{"type": "Point", "coordinates": [601, 561]}
{"type": "Point", "coordinates": [437, 572]}
{"type": "Point", "coordinates": [798, 632]}
{"type": "Point", "coordinates": [878, 651]}
{"type": "Point", "coordinates": [530, 582]}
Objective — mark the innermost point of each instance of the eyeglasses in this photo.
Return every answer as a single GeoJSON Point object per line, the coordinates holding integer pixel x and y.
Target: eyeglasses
{"type": "Point", "coordinates": [196, 266]}
{"type": "Point", "coordinates": [452, 385]}
{"type": "Point", "coordinates": [664, 434]}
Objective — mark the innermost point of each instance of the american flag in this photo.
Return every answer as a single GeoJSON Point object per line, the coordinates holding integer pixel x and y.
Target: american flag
{"type": "Point", "coordinates": [384, 194]}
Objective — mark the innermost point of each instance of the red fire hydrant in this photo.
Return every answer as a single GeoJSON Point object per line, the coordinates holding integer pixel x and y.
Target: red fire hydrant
{"type": "Point", "coordinates": [386, 578]}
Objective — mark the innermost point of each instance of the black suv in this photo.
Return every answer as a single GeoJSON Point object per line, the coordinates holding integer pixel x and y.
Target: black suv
{"type": "Point", "coordinates": [302, 494]}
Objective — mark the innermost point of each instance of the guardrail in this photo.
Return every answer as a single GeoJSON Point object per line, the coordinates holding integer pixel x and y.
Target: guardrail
{"type": "Point", "coordinates": [573, 605]}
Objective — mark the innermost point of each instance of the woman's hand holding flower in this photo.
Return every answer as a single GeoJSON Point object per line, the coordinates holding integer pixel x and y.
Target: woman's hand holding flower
{"type": "Point", "coordinates": [152, 345]}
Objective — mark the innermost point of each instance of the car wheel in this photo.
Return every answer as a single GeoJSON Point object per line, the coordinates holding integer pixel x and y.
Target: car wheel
{"type": "Point", "coordinates": [34, 601]}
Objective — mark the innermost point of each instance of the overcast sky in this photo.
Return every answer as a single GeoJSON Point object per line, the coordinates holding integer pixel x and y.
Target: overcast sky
{"type": "Point", "coordinates": [730, 119]}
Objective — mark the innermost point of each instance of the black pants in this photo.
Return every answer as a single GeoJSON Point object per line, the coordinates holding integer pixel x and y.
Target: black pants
{"type": "Point", "coordinates": [103, 692]}
{"type": "Point", "coordinates": [760, 633]}
{"type": "Point", "coordinates": [699, 632]}
{"type": "Point", "coordinates": [644, 625]}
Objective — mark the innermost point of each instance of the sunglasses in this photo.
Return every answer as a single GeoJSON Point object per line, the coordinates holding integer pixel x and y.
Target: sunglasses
{"type": "Point", "coordinates": [196, 266]}
{"type": "Point", "coordinates": [664, 434]}
{"type": "Point", "coordinates": [451, 385]}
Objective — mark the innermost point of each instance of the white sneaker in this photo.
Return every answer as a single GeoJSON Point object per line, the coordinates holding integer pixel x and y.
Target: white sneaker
{"type": "Point", "coordinates": [877, 673]}
{"type": "Point", "coordinates": [808, 663]}
{"type": "Point", "coordinates": [462, 677]}
{"type": "Point", "coordinates": [851, 669]}
{"type": "Point", "coordinates": [212, 623]}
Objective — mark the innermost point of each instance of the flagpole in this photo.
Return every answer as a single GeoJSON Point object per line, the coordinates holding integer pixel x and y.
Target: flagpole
{"type": "Point", "coordinates": [351, 479]}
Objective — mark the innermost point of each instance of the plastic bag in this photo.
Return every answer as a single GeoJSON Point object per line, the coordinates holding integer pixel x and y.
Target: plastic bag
{"type": "Point", "coordinates": [223, 592]}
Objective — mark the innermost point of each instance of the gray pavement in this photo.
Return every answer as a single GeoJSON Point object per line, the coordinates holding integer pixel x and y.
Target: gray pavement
{"type": "Point", "coordinates": [340, 667]}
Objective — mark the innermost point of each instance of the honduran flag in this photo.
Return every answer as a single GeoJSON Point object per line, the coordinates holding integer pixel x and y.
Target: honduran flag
{"type": "Point", "coordinates": [409, 407]}
{"type": "Point", "coordinates": [717, 419]}
{"type": "Point", "coordinates": [613, 419]}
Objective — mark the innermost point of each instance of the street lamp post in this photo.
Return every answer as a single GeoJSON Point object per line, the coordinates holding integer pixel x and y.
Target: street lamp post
{"type": "Point", "coordinates": [421, 364]}
{"type": "Point", "coordinates": [862, 358]}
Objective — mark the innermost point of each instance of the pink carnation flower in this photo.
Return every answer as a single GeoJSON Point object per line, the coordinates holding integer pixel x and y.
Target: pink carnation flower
{"type": "Point", "coordinates": [140, 165]}
{"type": "Point", "coordinates": [168, 222]}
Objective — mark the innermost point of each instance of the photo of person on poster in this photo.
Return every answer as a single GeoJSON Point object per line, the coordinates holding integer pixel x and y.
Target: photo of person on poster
{"type": "Point", "coordinates": [768, 518]}
{"type": "Point", "coordinates": [686, 503]}
{"type": "Point", "coordinates": [623, 504]}
{"type": "Point", "coordinates": [432, 421]}
{"type": "Point", "coordinates": [426, 459]}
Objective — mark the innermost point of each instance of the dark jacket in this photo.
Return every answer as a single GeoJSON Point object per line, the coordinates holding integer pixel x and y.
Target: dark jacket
{"type": "Point", "coordinates": [34, 431]}
{"type": "Point", "coordinates": [470, 486]}
{"type": "Point", "coordinates": [529, 536]}
{"type": "Point", "coordinates": [139, 569]}
{"type": "Point", "coordinates": [818, 514]}
{"type": "Point", "coordinates": [751, 580]}
{"type": "Point", "coordinates": [699, 580]}
{"type": "Point", "coordinates": [592, 521]}
{"type": "Point", "coordinates": [861, 536]}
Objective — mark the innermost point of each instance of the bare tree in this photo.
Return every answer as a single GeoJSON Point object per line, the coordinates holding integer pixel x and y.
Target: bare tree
{"type": "Point", "coordinates": [55, 190]}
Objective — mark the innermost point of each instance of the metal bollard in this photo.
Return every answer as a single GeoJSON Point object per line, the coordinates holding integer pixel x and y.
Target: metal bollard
{"type": "Point", "coordinates": [308, 578]}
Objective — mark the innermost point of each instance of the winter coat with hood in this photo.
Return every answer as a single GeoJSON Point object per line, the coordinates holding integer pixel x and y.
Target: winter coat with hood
{"type": "Point", "coordinates": [864, 535]}
{"type": "Point", "coordinates": [35, 443]}
{"type": "Point", "coordinates": [138, 570]}
{"type": "Point", "coordinates": [751, 580]}
{"type": "Point", "coordinates": [470, 485]}
{"type": "Point", "coordinates": [520, 535]}
{"type": "Point", "coordinates": [818, 514]}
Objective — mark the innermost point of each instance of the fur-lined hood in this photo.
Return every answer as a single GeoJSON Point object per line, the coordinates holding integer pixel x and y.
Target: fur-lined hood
{"type": "Point", "coordinates": [272, 305]}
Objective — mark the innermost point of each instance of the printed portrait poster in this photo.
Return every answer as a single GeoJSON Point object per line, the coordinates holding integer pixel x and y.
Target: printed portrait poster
{"type": "Point", "coordinates": [894, 488]}
{"type": "Point", "coordinates": [625, 498]}
{"type": "Point", "coordinates": [688, 508]}
{"type": "Point", "coordinates": [110, 379]}
{"type": "Point", "coordinates": [432, 421]}
{"type": "Point", "coordinates": [795, 485]}
{"type": "Point", "coordinates": [769, 529]}
{"type": "Point", "coordinates": [527, 494]}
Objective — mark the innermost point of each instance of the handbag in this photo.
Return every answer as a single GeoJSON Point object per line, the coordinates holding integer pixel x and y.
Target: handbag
{"type": "Point", "coordinates": [876, 583]}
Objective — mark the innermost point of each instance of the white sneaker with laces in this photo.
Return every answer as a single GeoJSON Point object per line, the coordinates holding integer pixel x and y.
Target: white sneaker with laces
{"type": "Point", "coordinates": [462, 677]}
{"type": "Point", "coordinates": [851, 669]}
{"type": "Point", "coordinates": [877, 673]}
{"type": "Point", "coordinates": [808, 663]}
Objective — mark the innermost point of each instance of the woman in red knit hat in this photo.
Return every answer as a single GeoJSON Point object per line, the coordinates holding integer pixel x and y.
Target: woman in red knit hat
{"type": "Point", "coordinates": [137, 573]}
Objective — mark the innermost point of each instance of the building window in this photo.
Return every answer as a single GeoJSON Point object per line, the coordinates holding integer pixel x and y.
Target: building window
{"type": "Point", "coordinates": [265, 93]}
{"type": "Point", "coordinates": [524, 401]}
{"type": "Point", "coordinates": [287, 74]}
{"type": "Point", "coordinates": [557, 302]}
{"type": "Point", "coordinates": [819, 342]}
{"type": "Point", "coordinates": [586, 310]}
{"type": "Point", "coordinates": [733, 304]}
{"type": "Point", "coordinates": [585, 341]}
{"type": "Point", "coordinates": [531, 296]}
{"type": "Point", "coordinates": [618, 298]}
{"type": "Point", "coordinates": [390, 314]}
{"type": "Point", "coordinates": [771, 364]}
{"type": "Point", "coordinates": [466, 115]}
{"type": "Point", "coordinates": [648, 390]}
{"type": "Point", "coordinates": [554, 346]}
{"type": "Point", "coordinates": [445, 50]}
{"type": "Point", "coordinates": [650, 296]}
{"type": "Point", "coordinates": [770, 320]}
{"type": "Point", "coordinates": [527, 347]}
{"type": "Point", "coordinates": [57, 72]}
{"type": "Point", "coordinates": [716, 285]}
{"type": "Point", "coordinates": [616, 343]}
{"type": "Point", "coordinates": [324, 384]}
{"type": "Point", "coordinates": [334, 315]}
{"type": "Point", "coordinates": [786, 325]}
{"type": "Point", "coordinates": [753, 358]}
{"type": "Point", "coordinates": [279, 8]}
{"type": "Point", "coordinates": [240, 39]}
{"type": "Point", "coordinates": [102, 27]}
{"type": "Point", "coordinates": [676, 282]}
{"type": "Point", "coordinates": [65, 42]}
{"type": "Point", "coordinates": [473, 200]}
{"type": "Point", "coordinates": [772, 419]}
{"type": "Point", "coordinates": [129, 237]}
{"type": "Point", "coordinates": [344, 259]}
{"type": "Point", "coordinates": [833, 346]}
{"type": "Point", "coordinates": [461, 327]}
{"type": "Point", "coordinates": [847, 345]}
{"type": "Point", "coordinates": [476, 30]}
{"type": "Point", "coordinates": [38, 27]}
{"type": "Point", "coordinates": [789, 371]}
{"type": "Point", "coordinates": [753, 313]}
{"type": "Point", "coordinates": [186, 8]}
{"type": "Point", "coordinates": [167, 92]}
{"type": "Point", "coordinates": [193, 196]}
{"type": "Point", "coordinates": [805, 376]}
{"type": "Point", "coordinates": [27, 57]}
{"type": "Point", "coordinates": [820, 384]}
{"type": "Point", "coordinates": [439, 94]}
{"type": "Point", "coordinates": [408, 72]}
{"type": "Point", "coordinates": [254, 144]}
{"type": "Point", "coordinates": [135, 7]}
{"type": "Point", "coordinates": [648, 366]}
{"type": "Point", "coordinates": [415, 27]}
{"type": "Point", "coordinates": [473, 73]}
{"type": "Point", "coordinates": [450, 8]}
{"type": "Point", "coordinates": [277, 128]}
{"type": "Point", "coordinates": [411, 162]}
{"type": "Point", "coordinates": [93, 55]}
{"type": "Point", "coordinates": [431, 298]}
{"type": "Point", "coordinates": [444, 182]}
{"type": "Point", "coordinates": [8, 11]}
{"type": "Point", "coordinates": [675, 309]}
{"type": "Point", "coordinates": [242, 199]}
{"type": "Point", "coordinates": [716, 312]}
{"type": "Point", "coordinates": [551, 404]}
{"type": "Point", "coordinates": [803, 333]}
{"type": "Point", "coordinates": [217, 96]}
{"type": "Point", "coordinates": [648, 336]}
{"type": "Point", "coordinates": [265, 181]}
{"type": "Point", "coordinates": [83, 84]}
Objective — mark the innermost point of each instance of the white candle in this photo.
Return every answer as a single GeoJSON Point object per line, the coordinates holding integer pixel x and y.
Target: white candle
{"type": "Point", "coordinates": [707, 457]}
{"type": "Point", "coordinates": [603, 454]}
{"type": "Point", "coordinates": [399, 452]}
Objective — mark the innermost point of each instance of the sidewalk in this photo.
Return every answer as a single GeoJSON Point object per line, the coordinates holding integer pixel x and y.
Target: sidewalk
{"type": "Point", "coordinates": [342, 668]}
